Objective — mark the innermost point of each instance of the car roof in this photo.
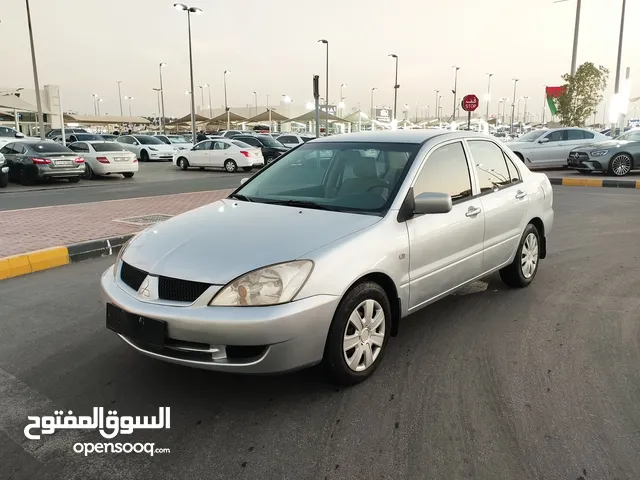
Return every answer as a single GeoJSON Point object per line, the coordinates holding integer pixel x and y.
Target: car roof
{"type": "Point", "coordinates": [398, 136]}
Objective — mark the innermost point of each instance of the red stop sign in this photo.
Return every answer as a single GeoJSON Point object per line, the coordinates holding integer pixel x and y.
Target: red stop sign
{"type": "Point", "coordinates": [470, 103]}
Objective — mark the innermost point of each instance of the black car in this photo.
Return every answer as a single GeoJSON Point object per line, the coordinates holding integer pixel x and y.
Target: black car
{"type": "Point", "coordinates": [34, 159]}
{"type": "Point", "coordinates": [4, 172]}
{"type": "Point", "coordinates": [79, 137]}
{"type": "Point", "coordinates": [57, 132]}
{"type": "Point", "coordinates": [271, 148]}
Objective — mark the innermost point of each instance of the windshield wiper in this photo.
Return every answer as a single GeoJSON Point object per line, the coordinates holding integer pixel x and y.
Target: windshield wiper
{"type": "Point", "coordinates": [304, 204]}
{"type": "Point", "coordinates": [239, 196]}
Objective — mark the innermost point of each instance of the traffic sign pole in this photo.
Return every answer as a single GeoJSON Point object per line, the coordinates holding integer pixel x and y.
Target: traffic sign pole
{"type": "Point", "coordinates": [469, 104]}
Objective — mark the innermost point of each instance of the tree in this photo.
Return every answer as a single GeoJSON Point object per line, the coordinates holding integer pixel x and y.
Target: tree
{"type": "Point", "coordinates": [582, 94]}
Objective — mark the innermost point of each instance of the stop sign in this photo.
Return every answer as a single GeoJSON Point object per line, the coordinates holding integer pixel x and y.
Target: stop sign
{"type": "Point", "coordinates": [470, 103]}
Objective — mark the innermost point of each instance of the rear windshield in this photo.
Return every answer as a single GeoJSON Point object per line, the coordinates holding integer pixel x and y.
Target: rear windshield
{"type": "Point", "coordinates": [108, 147]}
{"type": "Point", "coordinates": [49, 147]}
{"type": "Point", "coordinates": [148, 140]}
{"type": "Point", "coordinates": [87, 137]}
{"type": "Point", "coordinates": [270, 141]}
{"type": "Point", "coordinates": [241, 144]}
{"type": "Point", "coordinates": [178, 140]}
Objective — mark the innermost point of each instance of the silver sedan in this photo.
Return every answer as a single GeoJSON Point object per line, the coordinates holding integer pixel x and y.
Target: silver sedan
{"type": "Point", "coordinates": [318, 257]}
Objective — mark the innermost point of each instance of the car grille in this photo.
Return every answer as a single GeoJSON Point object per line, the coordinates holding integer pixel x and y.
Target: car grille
{"type": "Point", "coordinates": [132, 276]}
{"type": "Point", "coordinates": [573, 160]}
{"type": "Point", "coordinates": [173, 289]}
{"type": "Point", "coordinates": [180, 290]}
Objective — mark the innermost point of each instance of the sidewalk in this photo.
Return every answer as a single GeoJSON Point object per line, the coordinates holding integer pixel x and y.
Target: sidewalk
{"type": "Point", "coordinates": [26, 230]}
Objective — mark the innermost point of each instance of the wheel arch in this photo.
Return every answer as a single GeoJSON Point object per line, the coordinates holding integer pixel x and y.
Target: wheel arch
{"type": "Point", "coordinates": [539, 224]}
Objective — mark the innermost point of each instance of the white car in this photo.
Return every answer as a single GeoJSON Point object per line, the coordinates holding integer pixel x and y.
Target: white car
{"type": "Point", "coordinates": [178, 141]}
{"type": "Point", "coordinates": [550, 148]}
{"type": "Point", "coordinates": [8, 134]}
{"type": "Point", "coordinates": [147, 147]}
{"type": "Point", "coordinates": [106, 158]}
{"type": "Point", "coordinates": [291, 140]}
{"type": "Point", "coordinates": [222, 153]}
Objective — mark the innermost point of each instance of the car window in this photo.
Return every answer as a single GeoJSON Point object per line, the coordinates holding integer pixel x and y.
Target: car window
{"type": "Point", "coordinates": [588, 135]}
{"type": "Point", "coordinates": [126, 140]}
{"type": "Point", "coordinates": [49, 147]}
{"type": "Point", "coordinates": [7, 132]}
{"type": "Point", "coordinates": [203, 146]}
{"type": "Point", "coordinates": [490, 164]}
{"type": "Point", "coordinates": [251, 141]}
{"type": "Point", "coordinates": [220, 146]}
{"type": "Point", "coordinates": [108, 147]}
{"type": "Point", "coordinates": [8, 149]}
{"type": "Point", "coordinates": [240, 144]}
{"type": "Point", "coordinates": [631, 136]}
{"type": "Point", "coordinates": [148, 140]}
{"type": "Point", "coordinates": [287, 139]}
{"type": "Point", "coordinates": [164, 139]}
{"type": "Point", "coordinates": [514, 171]}
{"type": "Point", "coordinates": [19, 149]}
{"type": "Point", "coordinates": [575, 134]}
{"type": "Point", "coordinates": [445, 171]}
{"type": "Point", "coordinates": [557, 136]}
{"type": "Point", "coordinates": [79, 147]}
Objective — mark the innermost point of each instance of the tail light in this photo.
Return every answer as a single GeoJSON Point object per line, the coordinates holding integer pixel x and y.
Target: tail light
{"type": "Point", "coordinates": [41, 161]}
{"type": "Point", "coordinates": [102, 159]}
{"type": "Point", "coordinates": [79, 160]}
{"type": "Point", "coordinates": [135, 160]}
{"type": "Point", "coordinates": [246, 154]}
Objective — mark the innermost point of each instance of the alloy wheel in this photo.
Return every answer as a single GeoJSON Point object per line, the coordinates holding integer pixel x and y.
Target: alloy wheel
{"type": "Point", "coordinates": [364, 335]}
{"type": "Point", "coordinates": [621, 165]}
{"type": "Point", "coordinates": [529, 255]}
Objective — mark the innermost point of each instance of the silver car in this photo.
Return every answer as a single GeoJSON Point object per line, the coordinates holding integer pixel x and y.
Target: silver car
{"type": "Point", "coordinates": [549, 148]}
{"type": "Point", "coordinates": [341, 238]}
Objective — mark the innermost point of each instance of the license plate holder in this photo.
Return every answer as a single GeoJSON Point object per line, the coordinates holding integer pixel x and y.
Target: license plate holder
{"type": "Point", "coordinates": [63, 163]}
{"type": "Point", "coordinates": [121, 159]}
{"type": "Point", "coordinates": [138, 328]}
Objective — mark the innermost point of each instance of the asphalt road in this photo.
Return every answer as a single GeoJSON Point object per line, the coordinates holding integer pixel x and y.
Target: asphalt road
{"type": "Point", "coordinates": [492, 383]}
{"type": "Point", "coordinates": [151, 180]}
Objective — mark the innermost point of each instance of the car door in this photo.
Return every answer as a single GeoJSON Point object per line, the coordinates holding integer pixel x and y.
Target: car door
{"type": "Point", "coordinates": [445, 249]}
{"type": "Point", "coordinates": [504, 200]}
{"type": "Point", "coordinates": [219, 154]}
{"type": "Point", "coordinates": [547, 150]}
{"type": "Point", "coordinates": [199, 156]}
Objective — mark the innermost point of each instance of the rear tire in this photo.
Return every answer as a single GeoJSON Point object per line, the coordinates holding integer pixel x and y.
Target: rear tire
{"type": "Point", "coordinates": [525, 265]}
{"type": "Point", "coordinates": [73, 179]}
{"type": "Point", "coordinates": [352, 352]}
{"type": "Point", "coordinates": [28, 175]}
{"type": "Point", "coordinates": [88, 172]}
{"type": "Point", "coordinates": [4, 180]}
{"type": "Point", "coordinates": [182, 163]}
{"type": "Point", "coordinates": [128, 174]}
{"type": "Point", "coordinates": [230, 166]}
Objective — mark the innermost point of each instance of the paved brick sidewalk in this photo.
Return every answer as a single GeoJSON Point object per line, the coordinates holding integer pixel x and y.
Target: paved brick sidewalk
{"type": "Point", "coordinates": [32, 229]}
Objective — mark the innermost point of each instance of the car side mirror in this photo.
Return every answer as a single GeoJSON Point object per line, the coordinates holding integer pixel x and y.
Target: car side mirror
{"type": "Point", "coordinates": [19, 135]}
{"type": "Point", "coordinates": [432, 202]}
{"type": "Point", "coordinates": [244, 180]}
{"type": "Point", "coordinates": [544, 140]}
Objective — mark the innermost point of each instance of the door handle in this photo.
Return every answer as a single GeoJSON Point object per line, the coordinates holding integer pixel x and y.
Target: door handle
{"type": "Point", "coordinates": [520, 194]}
{"type": "Point", "coordinates": [473, 212]}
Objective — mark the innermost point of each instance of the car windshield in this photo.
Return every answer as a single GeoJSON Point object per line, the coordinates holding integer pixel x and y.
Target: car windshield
{"type": "Point", "coordinates": [359, 177]}
{"type": "Point", "coordinates": [49, 147]}
{"type": "Point", "coordinates": [87, 137]}
{"type": "Point", "coordinates": [531, 136]}
{"type": "Point", "coordinates": [148, 140]}
{"type": "Point", "coordinates": [270, 142]}
{"type": "Point", "coordinates": [178, 140]}
{"type": "Point", "coordinates": [108, 147]}
{"type": "Point", "coordinates": [632, 136]}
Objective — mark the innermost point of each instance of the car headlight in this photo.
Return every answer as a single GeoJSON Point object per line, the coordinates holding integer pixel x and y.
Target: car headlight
{"type": "Point", "coordinates": [154, 149]}
{"type": "Point", "coordinates": [599, 153]}
{"type": "Point", "coordinates": [270, 285]}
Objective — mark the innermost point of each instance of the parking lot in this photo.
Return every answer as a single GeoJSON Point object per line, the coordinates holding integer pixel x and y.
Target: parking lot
{"type": "Point", "coordinates": [490, 383]}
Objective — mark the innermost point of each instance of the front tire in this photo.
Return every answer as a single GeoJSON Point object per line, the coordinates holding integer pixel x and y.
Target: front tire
{"type": "Point", "coordinates": [144, 156]}
{"type": "Point", "coordinates": [521, 272]}
{"type": "Point", "coordinates": [620, 165]}
{"type": "Point", "coordinates": [182, 163]}
{"type": "Point", "coordinates": [230, 166]}
{"type": "Point", "coordinates": [358, 334]}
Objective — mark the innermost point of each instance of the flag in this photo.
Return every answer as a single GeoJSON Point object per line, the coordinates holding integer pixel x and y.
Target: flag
{"type": "Point", "coordinates": [552, 94]}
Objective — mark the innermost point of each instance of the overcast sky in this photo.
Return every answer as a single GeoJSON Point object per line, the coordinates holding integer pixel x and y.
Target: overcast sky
{"type": "Point", "coordinates": [270, 46]}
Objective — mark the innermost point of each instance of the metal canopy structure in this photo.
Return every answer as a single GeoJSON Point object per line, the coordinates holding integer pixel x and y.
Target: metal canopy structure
{"type": "Point", "coordinates": [222, 118]}
{"type": "Point", "coordinates": [187, 119]}
{"type": "Point", "coordinates": [311, 117]}
{"type": "Point", "coordinates": [11, 102]}
{"type": "Point", "coordinates": [104, 120]}
{"type": "Point", "coordinates": [264, 117]}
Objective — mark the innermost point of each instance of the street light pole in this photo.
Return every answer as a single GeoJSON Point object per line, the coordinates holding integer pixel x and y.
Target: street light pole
{"type": "Point", "coordinates": [201, 87]}
{"type": "Point", "coordinates": [98, 104]}
{"type": "Point", "coordinates": [489, 94]}
{"type": "Point", "coordinates": [524, 115]}
{"type": "Point", "coordinates": [544, 103]}
{"type": "Point", "coordinates": [255, 98]}
{"type": "Point", "coordinates": [513, 105]}
{"type": "Point", "coordinates": [373, 110]}
{"type": "Point", "coordinates": [342, 99]}
{"type": "Point", "coordinates": [35, 75]}
{"type": "Point", "coordinates": [616, 93]}
{"type": "Point", "coordinates": [209, 92]}
{"type": "Point", "coordinates": [129, 99]}
{"type": "Point", "coordinates": [197, 11]}
{"type": "Point", "coordinates": [395, 90]}
{"type": "Point", "coordinates": [437, 101]}
{"type": "Point", "coordinates": [326, 95]}
{"type": "Point", "coordinates": [455, 93]}
{"type": "Point", "coordinates": [95, 103]}
{"type": "Point", "coordinates": [158, 90]}
{"type": "Point", "coordinates": [120, 98]}
{"type": "Point", "coordinates": [226, 105]}
{"type": "Point", "coordinates": [162, 130]}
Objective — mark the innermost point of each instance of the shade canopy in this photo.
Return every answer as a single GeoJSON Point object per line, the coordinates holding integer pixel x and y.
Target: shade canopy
{"type": "Point", "coordinates": [233, 117]}
{"type": "Point", "coordinates": [355, 117]}
{"type": "Point", "coordinates": [311, 116]}
{"type": "Point", "coordinates": [264, 117]}
{"type": "Point", "coordinates": [12, 102]}
{"type": "Point", "coordinates": [187, 119]}
{"type": "Point", "coordinates": [103, 120]}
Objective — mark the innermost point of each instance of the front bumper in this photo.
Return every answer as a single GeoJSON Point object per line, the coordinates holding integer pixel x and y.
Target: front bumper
{"type": "Point", "coordinates": [165, 156]}
{"type": "Point", "coordinates": [108, 168]}
{"type": "Point", "coordinates": [284, 337]}
{"type": "Point", "coordinates": [587, 163]}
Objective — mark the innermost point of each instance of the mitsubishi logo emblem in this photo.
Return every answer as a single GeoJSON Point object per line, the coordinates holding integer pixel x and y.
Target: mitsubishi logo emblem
{"type": "Point", "coordinates": [144, 291]}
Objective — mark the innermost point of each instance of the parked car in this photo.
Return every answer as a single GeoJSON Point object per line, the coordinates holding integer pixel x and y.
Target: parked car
{"type": "Point", "coordinates": [147, 147]}
{"type": "Point", "coordinates": [31, 160]}
{"type": "Point", "coordinates": [229, 133]}
{"type": "Point", "coordinates": [79, 137]}
{"type": "Point", "coordinates": [355, 232]}
{"type": "Point", "coordinates": [8, 134]}
{"type": "Point", "coordinates": [106, 158]}
{"type": "Point", "coordinates": [4, 171]}
{"type": "Point", "coordinates": [290, 141]}
{"type": "Point", "coordinates": [271, 148]}
{"type": "Point", "coordinates": [549, 148]}
{"type": "Point", "coordinates": [109, 137]}
{"type": "Point", "coordinates": [618, 131]}
{"type": "Point", "coordinates": [616, 157]}
{"type": "Point", "coordinates": [56, 132]}
{"type": "Point", "coordinates": [177, 141]}
{"type": "Point", "coordinates": [275, 135]}
{"type": "Point", "coordinates": [222, 153]}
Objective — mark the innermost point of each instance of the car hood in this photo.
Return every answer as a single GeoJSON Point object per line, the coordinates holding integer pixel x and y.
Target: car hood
{"type": "Point", "coordinates": [225, 239]}
{"type": "Point", "coordinates": [604, 144]}
{"type": "Point", "coordinates": [160, 148]}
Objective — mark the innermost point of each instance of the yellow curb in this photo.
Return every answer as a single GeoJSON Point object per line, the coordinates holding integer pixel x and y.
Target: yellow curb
{"type": "Point", "coordinates": [33, 262]}
{"type": "Point", "coordinates": [637, 183]}
{"type": "Point", "coordinates": [581, 182]}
